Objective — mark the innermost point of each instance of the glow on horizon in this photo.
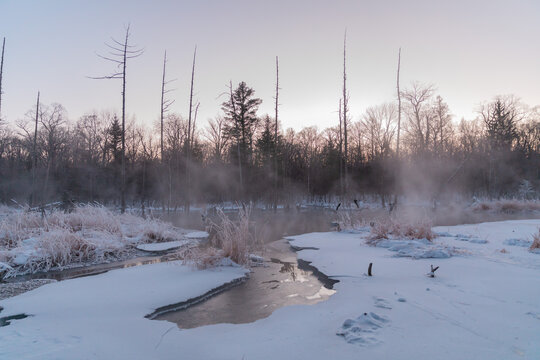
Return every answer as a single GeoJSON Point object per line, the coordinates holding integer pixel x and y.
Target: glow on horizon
{"type": "Point", "coordinates": [470, 50]}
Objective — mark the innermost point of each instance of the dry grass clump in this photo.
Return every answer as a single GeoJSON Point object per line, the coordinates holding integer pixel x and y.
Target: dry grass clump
{"type": "Point", "coordinates": [97, 218]}
{"type": "Point", "coordinates": [394, 228]}
{"type": "Point", "coordinates": [199, 257]}
{"type": "Point", "coordinates": [234, 238]}
{"type": "Point", "coordinates": [31, 242]}
{"type": "Point", "coordinates": [349, 220]}
{"type": "Point", "coordinates": [19, 226]}
{"type": "Point", "coordinates": [536, 241]}
{"type": "Point", "coordinates": [507, 206]}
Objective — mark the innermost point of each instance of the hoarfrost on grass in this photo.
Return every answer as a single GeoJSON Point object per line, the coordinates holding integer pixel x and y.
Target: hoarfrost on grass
{"type": "Point", "coordinates": [32, 242]}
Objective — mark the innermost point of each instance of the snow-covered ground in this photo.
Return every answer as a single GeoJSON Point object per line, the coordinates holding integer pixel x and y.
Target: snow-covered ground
{"type": "Point", "coordinates": [484, 303]}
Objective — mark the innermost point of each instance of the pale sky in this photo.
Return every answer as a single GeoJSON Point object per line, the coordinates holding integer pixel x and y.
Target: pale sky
{"type": "Point", "coordinates": [471, 51]}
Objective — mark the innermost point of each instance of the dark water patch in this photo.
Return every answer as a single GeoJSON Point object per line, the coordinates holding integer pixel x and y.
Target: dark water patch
{"type": "Point", "coordinates": [279, 282]}
{"type": "Point", "coordinates": [6, 320]}
{"type": "Point", "coordinates": [83, 271]}
{"type": "Point", "coordinates": [323, 278]}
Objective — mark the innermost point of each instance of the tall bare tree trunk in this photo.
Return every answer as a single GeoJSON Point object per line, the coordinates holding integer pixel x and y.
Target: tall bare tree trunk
{"type": "Point", "coordinates": [398, 165]}
{"type": "Point", "coordinates": [34, 155]}
{"type": "Point", "coordinates": [162, 113]}
{"type": "Point", "coordinates": [341, 183]}
{"type": "Point", "coordinates": [1, 73]}
{"type": "Point", "coordinates": [345, 110]}
{"type": "Point", "coordinates": [121, 51]}
{"type": "Point", "coordinates": [399, 104]}
{"type": "Point", "coordinates": [123, 185]}
{"type": "Point", "coordinates": [188, 148]}
{"type": "Point", "coordinates": [276, 138]}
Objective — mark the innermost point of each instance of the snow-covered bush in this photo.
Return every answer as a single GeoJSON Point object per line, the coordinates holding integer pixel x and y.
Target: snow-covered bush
{"type": "Point", "coordinates": [536, 241]}
{"type": "Point", "coordinates": [507, 206]}
{"type": "Point", "coordinates": [350, 220]}
{"type": "Point", "coordinates": [395, 228]}
{"type": "Point", "coordinates": [234, 238]}
{"type": "Point", "coordinates": [31, 242]}
{"type": "Point", "coordinates": [201, 257]}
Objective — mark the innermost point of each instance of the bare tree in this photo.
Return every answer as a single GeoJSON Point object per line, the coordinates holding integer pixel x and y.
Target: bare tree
{"type": "Point", "coordinates": [345, 113]}
{"type": "Point", "coordinates": [119, 53]}
{"type": "Point", "coordinates": [276, 137]}
{"type": "Point", "coordinates": [340, 128]}
{"type": "Point", "coordinates": [214, 133]}
{"type": "Point", "coordinates": [379, 129]}
{"type": "Point", "coordinates": [399, 104]}
{"type": "Point", "coordinates": [1, 73]}
{"type": "Point", "coordinates": [165, 103]}
{"type": "Point", "coordinates": [419, 116]}
{"type": "Point", "coordinates": [34, 154]}
{"type": "Point", "coordinates": [188, 143]}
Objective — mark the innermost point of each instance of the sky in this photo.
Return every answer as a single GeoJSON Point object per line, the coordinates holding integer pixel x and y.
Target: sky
{"type": "Point", "coordinates": [470, 50]}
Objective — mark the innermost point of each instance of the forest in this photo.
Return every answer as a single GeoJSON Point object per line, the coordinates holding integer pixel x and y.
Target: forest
{"type": "Point", "coordinates": [409, 145]}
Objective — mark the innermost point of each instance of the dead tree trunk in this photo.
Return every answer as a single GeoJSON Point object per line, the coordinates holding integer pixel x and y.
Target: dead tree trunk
{"type": "Point", "coordinates": [399, 104]}
{"type": "Point", "coordinates": [341, 183]}
{"type": "Point", "coordinates": [398, 165]}
{"type": "Point", "coordinates": [276, 139]}
{"type": "Point", "coordinates": [188, 147]}
{"type": "Point", "coordinates": [1, 73]}
{"type": "Point", "coordinates": [34, 155]}
{"type": "Point", "coordinates": [119, 53]}
{"type": "Point", "coordinates": [165, 104]}
{"type": "Point", "coordinates": [345, 110]}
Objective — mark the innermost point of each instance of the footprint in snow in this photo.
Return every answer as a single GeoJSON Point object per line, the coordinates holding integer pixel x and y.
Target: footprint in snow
{"type": "Point", "coordinates": [382, 303]}
{"type": "Point", "coordinates": [363, 330]}
{"type": "Point", "coordinates": [534, 315]}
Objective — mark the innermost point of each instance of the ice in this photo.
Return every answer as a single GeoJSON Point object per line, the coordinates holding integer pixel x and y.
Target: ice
{"type": "Point", "coordinates": [163, 246]}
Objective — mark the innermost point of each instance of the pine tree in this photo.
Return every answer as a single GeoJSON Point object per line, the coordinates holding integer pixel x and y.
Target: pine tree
{"type": "Point", "coordinates": [115, 141]}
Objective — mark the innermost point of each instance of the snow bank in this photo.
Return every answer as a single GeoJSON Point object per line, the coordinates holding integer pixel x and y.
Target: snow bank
{"type": "Point", "coordinates": [103, 316]}
{"type": "Point", "coordinates": [482, 304]}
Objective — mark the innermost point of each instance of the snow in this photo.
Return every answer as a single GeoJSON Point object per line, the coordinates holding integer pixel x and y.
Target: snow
{"type": "Point", "coordinates": [102, 316]}
{"type": "Point", "coordinates": [482, 304]}
{"type": "Point", "coordinates": [197, 235]}
{"type": "Point", "coordinates": [163, 246]}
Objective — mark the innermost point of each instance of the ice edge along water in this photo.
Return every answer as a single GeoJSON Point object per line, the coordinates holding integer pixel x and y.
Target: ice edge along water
{"type": "Point", "coordinates": [482, 304]}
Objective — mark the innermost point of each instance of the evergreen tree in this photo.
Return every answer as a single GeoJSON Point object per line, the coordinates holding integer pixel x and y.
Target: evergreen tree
{"type": "Point", "coordinates": [115, 141]}
{"type": "Point", "coordinates": [241, 118]}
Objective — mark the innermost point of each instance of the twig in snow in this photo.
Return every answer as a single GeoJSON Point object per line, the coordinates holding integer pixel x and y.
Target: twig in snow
{"type": "Point", "coordinates": [432, 273]}
{"type": "Point", "coordinates": [162, 336]}
{"type": "Point", "coordinates": [369, 269]}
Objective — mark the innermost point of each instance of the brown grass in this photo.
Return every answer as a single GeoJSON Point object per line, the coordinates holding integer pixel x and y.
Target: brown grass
{"type": "Point", "coordinates": [88, 234]}
{"type": "Point", "coordinates": [536, 241]}
{"type": "Point", "coordinates": [234, 238]}
{"type": "Point", "coordinates": [507, 206]}
{"type": "Point", "coordinates": [200, 257]}
{"type": "Point", "coordinates": [394, 228]}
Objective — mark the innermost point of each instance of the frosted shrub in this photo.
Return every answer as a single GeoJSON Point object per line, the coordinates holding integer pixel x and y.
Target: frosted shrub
{"type": "Point", "coordinates": [201, 258]}
{"type": "Point", "coordinates": [30, 242]}
{"type": "Point", "coordinates": [507, 206]}
{"type": "Point", "coordinates": [234, 238]}
{"type": "Point", "coordinates": [349, 220]}
{"type": "Point", "coordinates": [536, 241]}
{"type": "Point", "coordinates": [394, 228]}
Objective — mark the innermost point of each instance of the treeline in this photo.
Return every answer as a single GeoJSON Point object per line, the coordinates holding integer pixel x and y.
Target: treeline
{"type": "Point", "coordinates": [239, 155]}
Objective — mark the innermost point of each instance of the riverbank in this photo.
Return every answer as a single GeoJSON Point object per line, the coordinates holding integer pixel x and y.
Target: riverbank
{"type": "Point", "coordinates": [481, 304]}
